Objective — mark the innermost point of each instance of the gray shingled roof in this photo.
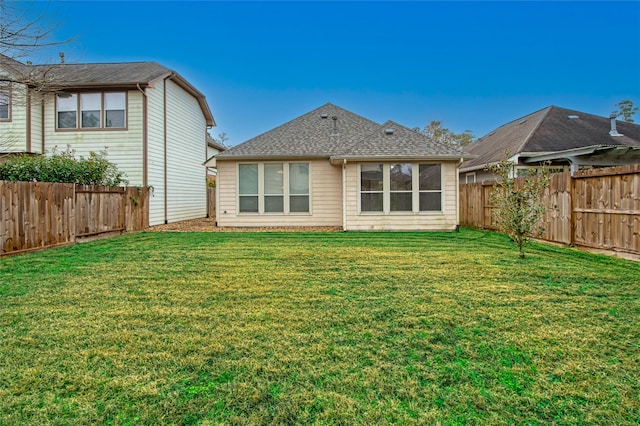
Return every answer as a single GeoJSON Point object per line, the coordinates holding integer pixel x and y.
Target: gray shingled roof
{"type": "Point", "coordinates": [350, 136]}
{"type": "Point", "coordinates": [124, 75]}
{"type": "Point", "coordinates": [549, 130]}
{"type": "Point", "coordinates": [392, 140]}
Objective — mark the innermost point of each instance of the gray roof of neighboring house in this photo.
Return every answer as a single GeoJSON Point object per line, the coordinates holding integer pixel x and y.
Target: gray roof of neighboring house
{"type": "Point", "coordinates": [124, 75]}
{"type": "Point", "coordinates": [348, 136]}
{"type": "Point", "coordinates": [549, 130]}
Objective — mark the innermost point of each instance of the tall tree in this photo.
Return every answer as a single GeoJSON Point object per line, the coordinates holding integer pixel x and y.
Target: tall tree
{"type": "Point", "coordinates": [517, 207]}
{"type": "Point", "coordinates": [626, 110]}
{"type": "Point", "coordinates": [437, 132]}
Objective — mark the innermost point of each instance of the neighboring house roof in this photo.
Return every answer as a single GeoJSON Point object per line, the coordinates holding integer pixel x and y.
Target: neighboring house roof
{"type": "Point", "coordinates": [333, 132]}
{"type": "Point", "coordinates": [125, 75]}
{"type": "Point", "coordinates": [211, 142]}
{"type": "Point", "coordinates": [550, 130]}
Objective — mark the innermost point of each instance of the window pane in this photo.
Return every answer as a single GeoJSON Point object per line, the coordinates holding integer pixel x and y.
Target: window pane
{"type": "Point", "coordinates": [248, 176]}
{"type": "Point", "coordinates": [371, 177]}
{"type": "Point", "coordinates": [248, 204]}
{"type": "Point", "coordinates": [115, 109]}
{"type": "Point", "coordinates": [430, 177]}
{"type": "Point", "coordinates": [273, 203]}
{"type": "Point", "coordinates": [90, 118]}
{"type": "Point", "coordinates": [4, 102]}
{"type": "Point", "coordinates": [115, 101]}
{"type": "Point", "coordinates": [299, 178]}
{"type": "Point", "coordinates": [430, 201]}
{"type": "Point", "coordinates": [273, 179]}
{"type": "Point", "coordinates": [114, 118]}
{"type": "Point", "coordinates": [299, 204]}
{"type": "Point", "coordinates": [400, 177]}
{"type": "Point", "coordinates": [400, 201]}
{"type": "Point", "coordinates": [67, 120]}
{"type": "Point", "coordinates": [371, 202]}
{"type": "Point", "coordinates": [67, 108]}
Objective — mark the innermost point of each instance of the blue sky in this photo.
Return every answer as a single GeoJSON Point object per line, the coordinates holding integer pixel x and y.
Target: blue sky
{"type": "Point", "coordinates": [473, 65]}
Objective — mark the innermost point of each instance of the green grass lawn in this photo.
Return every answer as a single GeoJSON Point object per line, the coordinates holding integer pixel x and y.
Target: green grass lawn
{"type": "Point", "coordinates": [318, 328]}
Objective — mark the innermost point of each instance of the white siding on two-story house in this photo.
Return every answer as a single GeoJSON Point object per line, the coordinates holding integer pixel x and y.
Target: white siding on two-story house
{"type": "Point", "coordinates": [123, 147]}
{"type": "Point", "coordinates": [186, 190]}
{"type": "Point", "coordinates": [13, 132]}
{"type": "Point", "coordinates": [156, 151]}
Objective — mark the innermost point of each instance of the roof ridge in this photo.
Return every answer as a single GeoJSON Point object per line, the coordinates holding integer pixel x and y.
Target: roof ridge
{"type": "Point", "coordinates": [535, 128]}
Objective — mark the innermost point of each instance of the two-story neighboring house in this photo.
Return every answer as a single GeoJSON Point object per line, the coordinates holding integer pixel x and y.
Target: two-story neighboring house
{"type": "Point", "coordinates": [152, 122]}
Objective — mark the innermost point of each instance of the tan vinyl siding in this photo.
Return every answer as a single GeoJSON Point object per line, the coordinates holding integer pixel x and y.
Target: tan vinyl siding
{"type": "Point", "coordinates": [155, 151]}
{"type": "Point", "coordinates": [431, 221]}
{"type": "Point", "coordinates": [325, 202]}
{"type": "Point", "coordinates": [186, 151]}
{"type": "Point", "coordinates": [124, 147]}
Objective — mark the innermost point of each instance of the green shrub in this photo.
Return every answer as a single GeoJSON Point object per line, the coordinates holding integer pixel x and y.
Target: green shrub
{"type": "Point", "coordinates": [62, 167]}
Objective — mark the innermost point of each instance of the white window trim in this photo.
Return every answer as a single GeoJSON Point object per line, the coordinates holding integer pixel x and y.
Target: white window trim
{"type": "Point", "coordinates": [386, 192]}
{"type": "Point", "coordinates": [468, 175]}
{"type": "Point", "coordinates": [286, 190]}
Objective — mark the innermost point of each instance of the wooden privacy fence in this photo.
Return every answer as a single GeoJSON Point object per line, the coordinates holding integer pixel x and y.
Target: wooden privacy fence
{"type": "Point", "coordinates": [597, 208]}
{"type": "Point", "coordinates": [35, 215]}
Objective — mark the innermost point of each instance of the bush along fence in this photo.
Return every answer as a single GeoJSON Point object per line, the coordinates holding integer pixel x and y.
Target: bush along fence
{"type": "Point", "coordinates": [597, 208]}
{"type": "Point", "coordinates": [36, 215]}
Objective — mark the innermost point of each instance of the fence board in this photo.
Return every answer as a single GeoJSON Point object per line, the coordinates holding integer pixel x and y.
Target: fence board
{"type": "Point", "coordinates": [36, 215]}
{"type": "Point", "coordinates": [597, 208]}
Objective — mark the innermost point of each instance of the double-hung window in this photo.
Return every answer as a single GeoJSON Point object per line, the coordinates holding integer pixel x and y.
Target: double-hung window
{"type": "Point", "coordinates": [371, 187]}
{"type": "Point", "coordinates": [5, 102]}
{"type": "Point", "coordinates": [400, 187]}
{"type": "Point", "coordinates": [273, 188]}
{"type": "Point", "coordinates": [98, 110]}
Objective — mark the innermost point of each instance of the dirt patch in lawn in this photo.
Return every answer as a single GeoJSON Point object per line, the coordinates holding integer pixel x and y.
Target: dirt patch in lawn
{"type": "Point", "coordinates": [209, 225]}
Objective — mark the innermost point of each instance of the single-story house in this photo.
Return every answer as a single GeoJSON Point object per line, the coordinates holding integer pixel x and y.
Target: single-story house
{"type": "Point", "coordinates": [331, 167]}
{"type": "Point", "coordinates": [570, 140]}
{"type": "Point", "coordinates": [152, 122]}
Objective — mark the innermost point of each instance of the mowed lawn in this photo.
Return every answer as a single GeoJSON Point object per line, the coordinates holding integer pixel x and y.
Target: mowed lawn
{"type": "Point", "coordinates": [318, 328]}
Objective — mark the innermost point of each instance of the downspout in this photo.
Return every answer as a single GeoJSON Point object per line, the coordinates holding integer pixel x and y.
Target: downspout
{"type": "Point", "coordinates": [164, 131]}
{"type": "Point", "coordinates": [344, 194]}
{"type": "Point", "coordinates": [145, 139]}
{"type": "Point", "coordinates": [42, 122]}
{"type": "Point", "coordinates": [28, 121]}
{"type": "Point", "coordinates": [458, 195]}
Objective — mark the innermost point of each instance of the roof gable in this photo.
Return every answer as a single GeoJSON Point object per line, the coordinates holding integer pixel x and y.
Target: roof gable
{"type": "Point", "coordinates": [332, 132]}
{"type": "Point", "coordinates": [314, 134]}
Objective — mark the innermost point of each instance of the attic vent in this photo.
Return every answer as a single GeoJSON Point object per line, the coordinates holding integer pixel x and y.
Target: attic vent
{"type": "Point", "coordinates": [491, 134]}
{"type": "Point", "coordinates": [324, 116]}
{"type": "Point", "coordinates": [573, 117]}
{"type": "Point", "coordinates": [388, 131]}
{"type": "Point", "coordinates": [522, 121]}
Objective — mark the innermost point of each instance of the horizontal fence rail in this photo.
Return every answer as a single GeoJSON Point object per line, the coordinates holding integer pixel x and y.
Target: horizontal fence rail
{"type": "Point", "coordinates": [597, 208]}
{"type": "Point", "coordinates": [36, 215]}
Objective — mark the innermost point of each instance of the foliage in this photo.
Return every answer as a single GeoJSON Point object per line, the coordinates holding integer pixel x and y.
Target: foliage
{"type": "Point", "coordinates": [517, 206]}
{"type": "Point", "coordinates": [625, 109]}
{"type": "Point", "coordinates": [435, 131]}
{"type": "Point", "coordinates": [318, 328]}
{"type": "Point", "coordinates": [62, 167]}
